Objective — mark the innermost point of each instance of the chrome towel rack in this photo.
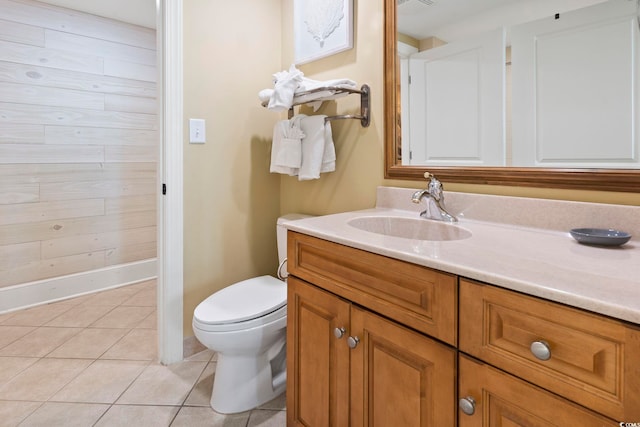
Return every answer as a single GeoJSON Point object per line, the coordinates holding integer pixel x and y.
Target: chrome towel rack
{"type": "Point", "coordinates": [365, 102]}
{"type": "Point", "coordinates": [365, 107]}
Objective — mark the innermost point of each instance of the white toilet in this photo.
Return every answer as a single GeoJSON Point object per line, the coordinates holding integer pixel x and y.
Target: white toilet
{"type": "Point", "coordinates": [245, 323]}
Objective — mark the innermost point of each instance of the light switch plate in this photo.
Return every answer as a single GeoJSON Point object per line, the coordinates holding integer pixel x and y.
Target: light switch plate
{"type": "Point", "coordinates": [197, 131]}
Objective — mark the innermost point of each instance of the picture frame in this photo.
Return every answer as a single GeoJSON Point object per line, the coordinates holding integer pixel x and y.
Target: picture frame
{"type": "Point", "coordinates": [321, 28]}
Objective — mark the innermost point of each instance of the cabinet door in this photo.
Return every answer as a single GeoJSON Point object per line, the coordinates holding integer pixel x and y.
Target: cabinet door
{"type": "Point", "coordinates": [503, 400]}
{"type": "Point", "coordinates": [317, 361]}
{"type": "Point", "coordinates": [399, 377]}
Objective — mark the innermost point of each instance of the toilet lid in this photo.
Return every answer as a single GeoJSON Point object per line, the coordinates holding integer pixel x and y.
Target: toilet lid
{"type": "Point", "coordinates": [244, 300]}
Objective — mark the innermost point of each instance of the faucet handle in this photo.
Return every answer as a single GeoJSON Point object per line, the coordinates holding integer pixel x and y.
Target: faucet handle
{"type": "Point", "coordinates": [435, 187]}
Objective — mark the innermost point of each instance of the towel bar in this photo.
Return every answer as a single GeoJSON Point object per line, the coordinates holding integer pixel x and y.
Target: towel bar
{"type": "Point", "coordinates": [365, 103]}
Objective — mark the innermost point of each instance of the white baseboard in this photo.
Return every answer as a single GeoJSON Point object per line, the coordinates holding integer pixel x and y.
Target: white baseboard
{"type": "Point", "coordinates": [60, 288]}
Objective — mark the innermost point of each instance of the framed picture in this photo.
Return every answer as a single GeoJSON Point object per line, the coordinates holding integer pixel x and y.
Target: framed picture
{"type": "Point", "coordinates": [321, 28]}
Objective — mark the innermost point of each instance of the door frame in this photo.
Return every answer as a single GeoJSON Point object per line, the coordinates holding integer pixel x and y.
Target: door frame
{"type": "Point", "coordinates": [170, 177]}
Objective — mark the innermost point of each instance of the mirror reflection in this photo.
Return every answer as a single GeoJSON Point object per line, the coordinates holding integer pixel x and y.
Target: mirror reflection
{"type": "Point", "coordinates": [524, 83]}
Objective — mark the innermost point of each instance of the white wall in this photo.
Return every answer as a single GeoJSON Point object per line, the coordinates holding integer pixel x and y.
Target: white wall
{"type": "Point", "coordinates": [138, 12]}
{"type": "Point", "coordinates": [78, 148]}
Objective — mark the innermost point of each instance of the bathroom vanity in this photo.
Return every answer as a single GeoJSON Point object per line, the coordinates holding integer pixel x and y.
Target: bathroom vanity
{"type": "Point", "coordinates": [508, 323]}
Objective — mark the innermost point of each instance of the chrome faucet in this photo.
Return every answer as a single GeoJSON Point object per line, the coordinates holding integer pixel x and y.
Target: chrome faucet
{"type": "Point", "coordinates": [435, 200]}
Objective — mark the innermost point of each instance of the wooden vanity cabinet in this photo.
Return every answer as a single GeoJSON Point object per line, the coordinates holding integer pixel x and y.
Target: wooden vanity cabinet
{"type": "Point", "coordinates": [347, 364]}
{"type": "Point", "coordinates": [374, 341]}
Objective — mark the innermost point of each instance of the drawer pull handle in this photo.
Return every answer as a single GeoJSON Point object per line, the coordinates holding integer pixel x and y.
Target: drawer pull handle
{"type": "Point", "coordinates": [352, 342]}
{"type": "Point", "coordinates": [541, 350]}
{"type": "Point", "coordinates": [339, 332]}
{"type": "Point", "coordinates": [467, 405]}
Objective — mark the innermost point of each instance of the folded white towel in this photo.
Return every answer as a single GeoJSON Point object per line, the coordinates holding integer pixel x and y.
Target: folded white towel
{"type": "Point", "coordinates": [290, 88]}
{"type": "Point", "coordinates": [286, 83]}
{"type": "Point", "coordinates": [265, 96]}
{"type": "Point", "coordinates": [318, 152]}
{"type": "Point", "coordinates": [314, 99]}
{"type": "Point", "coordinates": [286, 149]}
{"type": "Point", "coordinates": [310, 84]}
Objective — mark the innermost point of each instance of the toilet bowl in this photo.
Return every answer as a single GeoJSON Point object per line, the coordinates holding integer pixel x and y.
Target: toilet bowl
{"type": "Point", "coordinates": [245, 323]}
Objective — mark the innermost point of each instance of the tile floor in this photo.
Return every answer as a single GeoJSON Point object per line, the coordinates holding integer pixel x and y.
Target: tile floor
{"type": "Point", "coordinates": [92, 361]}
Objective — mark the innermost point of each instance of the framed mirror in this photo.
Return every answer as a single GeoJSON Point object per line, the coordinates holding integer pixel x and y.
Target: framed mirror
{"type": "Point", "coordinates": [584, 178]}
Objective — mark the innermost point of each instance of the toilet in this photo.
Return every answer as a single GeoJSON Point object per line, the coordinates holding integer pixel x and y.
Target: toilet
{"type": "Point", "coordinates": [245, 323]}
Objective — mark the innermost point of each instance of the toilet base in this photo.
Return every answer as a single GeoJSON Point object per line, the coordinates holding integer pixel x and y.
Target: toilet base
{"type": "Point", "coordinates": [244, 383]}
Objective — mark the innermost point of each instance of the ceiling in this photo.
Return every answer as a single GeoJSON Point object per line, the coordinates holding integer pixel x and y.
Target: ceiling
{"type": "Point", "coordinates": [453, 19]}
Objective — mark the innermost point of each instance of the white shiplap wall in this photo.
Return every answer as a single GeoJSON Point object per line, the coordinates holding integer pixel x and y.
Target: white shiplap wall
{"type": "Point", "coordinates": [78, 142]}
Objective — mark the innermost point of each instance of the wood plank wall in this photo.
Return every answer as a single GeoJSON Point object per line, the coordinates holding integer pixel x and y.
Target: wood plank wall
{"type": "Point", "coordinates": [78, 142]}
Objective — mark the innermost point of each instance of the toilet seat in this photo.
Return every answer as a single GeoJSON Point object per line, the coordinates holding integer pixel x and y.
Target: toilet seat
{"type": "Point", "coordinates": [243, 305]}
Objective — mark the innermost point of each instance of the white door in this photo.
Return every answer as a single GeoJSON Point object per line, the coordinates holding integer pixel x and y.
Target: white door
{"type": "Point", "coordinates": [457, 103]}
{"type": "Point", "coordinates": [575, 96]}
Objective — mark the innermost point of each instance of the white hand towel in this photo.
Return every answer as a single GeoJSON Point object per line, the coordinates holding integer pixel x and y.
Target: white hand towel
{"type": "Point", "coordinates": [315, 147]}
{"type": "Point", "coordinates": [286, 83]}
{"type": "Point", "coordinates": [286, 149]}
{"type": "Point", "coordinates": [329, 156]}
{"type": "Point", "coordinates": [290, 153]}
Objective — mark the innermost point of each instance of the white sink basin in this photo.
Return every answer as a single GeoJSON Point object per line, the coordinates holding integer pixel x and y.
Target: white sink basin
{"type": "Point", "coordinates": [408, 228]}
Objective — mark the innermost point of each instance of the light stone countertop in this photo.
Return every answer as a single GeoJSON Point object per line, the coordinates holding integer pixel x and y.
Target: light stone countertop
{"type": "Point", "coordinates": [517, 243]}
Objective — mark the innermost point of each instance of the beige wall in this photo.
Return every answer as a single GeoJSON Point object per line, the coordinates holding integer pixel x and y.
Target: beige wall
{"type": "Point", "coordinates": [231, 200]}
{"type": "Point", "coordinates": [359, 151]}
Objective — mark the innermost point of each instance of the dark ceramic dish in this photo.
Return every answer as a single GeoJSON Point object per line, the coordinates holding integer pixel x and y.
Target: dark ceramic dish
{"type": "Point", "coordinates": [600, 236]}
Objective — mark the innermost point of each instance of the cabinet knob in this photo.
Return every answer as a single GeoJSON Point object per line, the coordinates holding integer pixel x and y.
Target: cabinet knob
{"type": "Point", "coordinates": [352, 342]}
{"type": "Point", "coordinates": [339, 332]}
{"type": "Point", "coordinates": [541, 350]}
{"type": "Point", "coordinates": [467, 405]}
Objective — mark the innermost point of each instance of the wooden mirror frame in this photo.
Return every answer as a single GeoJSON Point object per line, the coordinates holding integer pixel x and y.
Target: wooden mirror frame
{"type": "Point", "coordinates": [625, 180]}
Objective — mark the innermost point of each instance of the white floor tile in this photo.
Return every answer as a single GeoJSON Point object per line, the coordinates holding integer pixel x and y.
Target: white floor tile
{"type": "Point", "coordinates": [163, 385]}
{"type": "Point", "coordinates": [43, 379]}
{"type": "Point", "coordinates": [65, 414]}
{"type": "Point", "coordinates": [207, 417]}
{"type": "Point", "coordinates": [265, 418]}
{"type": "Point", "coordinates": [102, 382]}
{"type": "Point", "coordinates": [39, 342]}
{"type": "Point", "coordinates": [12, 413]}
{"type": "Point", "coordinates": [138, 416]}
{"type": "Point", "coordinates": [201, 393]}
{"type": "Point", "coordinates": [12, 366]}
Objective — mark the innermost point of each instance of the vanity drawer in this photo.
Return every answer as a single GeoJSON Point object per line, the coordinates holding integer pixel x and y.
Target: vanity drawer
{"type": "Point", "coordinates": [416, 296]}
{"type": "Point", "coordinates": [593, 360]}
{"type": "Point", "coordinates": [500, 399]}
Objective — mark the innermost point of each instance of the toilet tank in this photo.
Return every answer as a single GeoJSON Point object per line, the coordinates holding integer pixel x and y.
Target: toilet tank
{"type": "Point", "coordinates": [281, 233]}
